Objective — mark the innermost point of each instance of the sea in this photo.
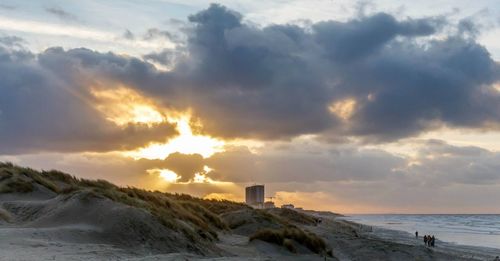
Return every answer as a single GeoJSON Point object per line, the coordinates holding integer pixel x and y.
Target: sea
{"type": "Point", "coordinates": [481, 230]}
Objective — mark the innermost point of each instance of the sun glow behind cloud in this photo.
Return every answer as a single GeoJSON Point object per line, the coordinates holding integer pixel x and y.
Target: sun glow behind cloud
{"type": "Point", "coordinates": [166, 174]}
{"type": "Point", "coordinates": [343, 109]}
{"type": "Point", "coordinates": [497, 87]}
{"type": "Point", "coordinates": [171, 177]}
{"type": "Point", "coordinates": [186, 143]}
{"type": "Point", "coordinates": [123, 106]}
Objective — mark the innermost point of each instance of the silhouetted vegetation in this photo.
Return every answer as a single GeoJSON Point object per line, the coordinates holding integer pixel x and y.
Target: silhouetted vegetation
{"type": "Point", "coordinates": [172, 210]}
{"type": "Point", "coordinates": [16, 185]}
{"type": "Point", "coordinates": [293, 216]}
{"type": "Point", "coordinates": [197, 219]}
{"type": "Point", "coordinates": [285, 237]}
{"type": "Point", "coordinates": [248, 221]}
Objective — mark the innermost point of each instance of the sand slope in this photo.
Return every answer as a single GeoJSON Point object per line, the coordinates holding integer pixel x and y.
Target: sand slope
{"type": "Point", "coordinates": [53, 216]}
{"type": "Point", "coordinates": [83, 226]}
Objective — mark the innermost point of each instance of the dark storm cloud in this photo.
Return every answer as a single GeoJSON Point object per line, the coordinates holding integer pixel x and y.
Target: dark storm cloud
{"type": "Point", "coordinates": [344, 42]}
{"type": "Point", "coordinates": [253, 82]}
{"type": "Point", "coordinates": [46, 105]}
{"type": "Point", "coordinates": [278, 81]}
{"type": "Point", "coordinates": [273, 82]}
{"type": "Point", "coordinates": [94, 67]}
{"type": "Point", "coordinates": [184, 165]}
{"type": "Point", "coordinates": [414, 87]}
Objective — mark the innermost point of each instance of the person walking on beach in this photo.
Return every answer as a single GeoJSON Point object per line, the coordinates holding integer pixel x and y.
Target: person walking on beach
{"type": "Point", "coordinates": [497, 258]}
{"type": "Point", "coordinates": [416, 234]}
{"type": "Point", "coordinates": [432, 240]}
{"type": "Point", "coordinates": [425, 240]}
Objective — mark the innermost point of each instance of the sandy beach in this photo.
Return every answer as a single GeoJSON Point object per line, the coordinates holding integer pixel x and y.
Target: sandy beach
{"type": "Point", "coordinates": [54, 216]}
{"type": "Point", "coordinates": [349, 241]}
{"type": "Point", "coordinates": [395, 236]}
{"type": "Point", "coordinates": [150, 130]}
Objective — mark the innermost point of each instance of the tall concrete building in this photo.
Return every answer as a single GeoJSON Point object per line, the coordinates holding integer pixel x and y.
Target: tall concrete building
{"type": "Point", "coordinates": [254, 196]}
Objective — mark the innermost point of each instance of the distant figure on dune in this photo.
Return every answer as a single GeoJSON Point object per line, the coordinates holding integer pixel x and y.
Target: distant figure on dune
{"type": "Point", "coordinates": [416, 234]}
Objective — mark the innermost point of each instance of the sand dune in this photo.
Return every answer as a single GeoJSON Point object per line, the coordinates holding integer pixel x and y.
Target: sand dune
{"type": "Point", "coordinates": [86, 226]}
{"type": "Point", "coordinates": [53, 216]}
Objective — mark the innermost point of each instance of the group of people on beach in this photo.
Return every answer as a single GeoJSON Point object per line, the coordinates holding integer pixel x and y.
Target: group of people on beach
{"type": "Point", "coordinates": [428, 239]}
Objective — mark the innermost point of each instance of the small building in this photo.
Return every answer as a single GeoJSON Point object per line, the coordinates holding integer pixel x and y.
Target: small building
{"type": "Point", "coordinates": [254, 196]}
{"type": "Point", "coordinates": [290, 206]}
{"type": "Point", "coordinates": [269, 204]}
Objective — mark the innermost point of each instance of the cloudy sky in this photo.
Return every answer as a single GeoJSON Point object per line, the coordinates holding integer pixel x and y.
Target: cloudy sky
{"type": "Point", "coordinates": [356, 107]}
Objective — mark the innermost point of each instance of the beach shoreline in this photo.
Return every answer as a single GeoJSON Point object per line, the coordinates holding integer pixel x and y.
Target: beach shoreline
{"type": "Point", "coordinates": [404, 237]}
{"type": "Point", "coordinates": [349, 241]}
{"type": "Point", "coordinates": [54, 216]}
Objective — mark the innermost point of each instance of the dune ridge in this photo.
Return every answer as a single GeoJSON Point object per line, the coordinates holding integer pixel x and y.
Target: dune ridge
{"type": "Point", "coordinates": [51, 215]}
{"type": "Point", "coordinates": [141, 221]}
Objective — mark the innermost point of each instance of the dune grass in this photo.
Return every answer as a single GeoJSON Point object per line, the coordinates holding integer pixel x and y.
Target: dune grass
{"type": "Point", "coordinates": [197, 219]}
{"type": "Point", "coordinates": [172, 210]}
{"type": "Point", "coordinates": [285, 237]}
{"type": "Point", "coordinates": [248, 221]}
{"type": "Point", "coordinates": [18, 179]}
{"type": "Point", "coordinates": [294, 216]}
{"type": "Point", "coordinates": [16, 185]}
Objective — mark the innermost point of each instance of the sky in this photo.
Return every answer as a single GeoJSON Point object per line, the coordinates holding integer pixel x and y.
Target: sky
{"type": "Point", "coordinates": [349, 106]}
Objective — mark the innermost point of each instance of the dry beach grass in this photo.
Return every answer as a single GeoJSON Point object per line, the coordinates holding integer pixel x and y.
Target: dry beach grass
{"type": "Point", "coordinates": [51, 215]}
